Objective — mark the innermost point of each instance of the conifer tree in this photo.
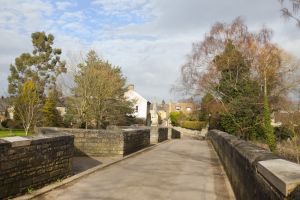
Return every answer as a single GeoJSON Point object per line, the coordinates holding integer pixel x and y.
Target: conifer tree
{"type": "Point", "coordinates": [42, 66]}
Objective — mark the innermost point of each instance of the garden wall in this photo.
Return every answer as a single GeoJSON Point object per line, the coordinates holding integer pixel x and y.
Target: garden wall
{"type": "Point", "coordinates": [158, 134]}
{"type": "Point", "coordinates": [33, 162]}
{"type": "Point", "coordinates": [255, 173]}
{"type": "Point", "coordinates": [175, 134]}
{"type": "Point", "coordinates": [92, 142]}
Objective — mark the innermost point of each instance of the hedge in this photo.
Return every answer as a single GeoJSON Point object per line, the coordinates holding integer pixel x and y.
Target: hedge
{"type": "Point", "coordinates": [194, 125]}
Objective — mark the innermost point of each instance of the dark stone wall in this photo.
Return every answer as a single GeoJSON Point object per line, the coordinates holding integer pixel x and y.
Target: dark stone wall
{"type": "Point", "coordinates": [240, 159]}
{"type": "Point", "coordinates": [42, 161]}
{"type": "Point", "coordinates": [158, 134]}
{"type": "Point", "coordinates": [175, 134]}
{"type": "Point", "coordinates": [94, 142]}
{"type": "Point", "coordinates": [162, 134]}
{"type": "Point", "coordinates": [135, 139]}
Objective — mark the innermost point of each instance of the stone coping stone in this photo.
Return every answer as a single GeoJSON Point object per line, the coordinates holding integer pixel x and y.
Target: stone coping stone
{"type": "Point", "coordinates": [135, 129]}
{"type": "Point", "coordinates": [282, 174]}
{"type": "Point", "coordinates": [17, 141]}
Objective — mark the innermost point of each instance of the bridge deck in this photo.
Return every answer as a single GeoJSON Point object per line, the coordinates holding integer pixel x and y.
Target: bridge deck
{"type": "Point", "coordinates": [179, 169]}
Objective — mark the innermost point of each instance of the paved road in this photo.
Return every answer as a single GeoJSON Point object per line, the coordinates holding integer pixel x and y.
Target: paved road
{"type": "Point", "coordinates": [179, 169]}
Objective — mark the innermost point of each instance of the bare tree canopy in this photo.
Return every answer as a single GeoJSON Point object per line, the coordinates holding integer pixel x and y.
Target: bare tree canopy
{"type": "Point", "coordinates": [291, 12]}
{"type": "Point", "coordinates": [199, 74]}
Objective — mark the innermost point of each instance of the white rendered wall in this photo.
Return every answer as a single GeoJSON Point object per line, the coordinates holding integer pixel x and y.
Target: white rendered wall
{"type": "Point", "coordinates": [140, 101]}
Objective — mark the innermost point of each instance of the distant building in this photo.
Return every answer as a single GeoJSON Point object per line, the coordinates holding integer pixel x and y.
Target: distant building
{"type": "Point", "coordinates": [6, 111]}
{"type": "Point", "coordinates": [160, 113]}
{"type": "Point", "coordinates": [185, 107]}
{"type": "Point", "coordinates": [141, 104]}
{"type": "Point", "coordinates": [3, 109]}
{"type": "Point", "coordinates": [283, 118]}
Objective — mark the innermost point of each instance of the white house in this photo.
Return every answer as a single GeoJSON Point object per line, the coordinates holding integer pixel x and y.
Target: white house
{"type": "Point", "coordinates": [141, 105]}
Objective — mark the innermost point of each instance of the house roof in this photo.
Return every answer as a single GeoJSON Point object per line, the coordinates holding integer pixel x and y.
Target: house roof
{"type": "Point", "coordinates": [136, 94]}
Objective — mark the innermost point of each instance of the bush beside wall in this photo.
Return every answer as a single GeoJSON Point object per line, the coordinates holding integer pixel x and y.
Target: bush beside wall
{"type": "Point", "coordinates": [194, 125]}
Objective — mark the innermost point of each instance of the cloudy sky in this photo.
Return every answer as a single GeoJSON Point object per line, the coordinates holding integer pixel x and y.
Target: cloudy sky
{"type": "Point", "coordinates": [149, 39]}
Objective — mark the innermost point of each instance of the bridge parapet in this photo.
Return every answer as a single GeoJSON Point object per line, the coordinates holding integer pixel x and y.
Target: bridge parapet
{"type": "Point", "coordinates": [255, 173]}
{"type": "Point", "coordinates": [28, 163]}
{"type": "Point", "coordinates": [99, 142]}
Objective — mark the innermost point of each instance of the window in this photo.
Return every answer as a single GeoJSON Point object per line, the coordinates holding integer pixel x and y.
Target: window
{"type": "Point", "coordinates": [136, 108]}
{"type": "Point", "coordinates": [188, 109]}
{"type": "Point", "coordinates": [177, 108]}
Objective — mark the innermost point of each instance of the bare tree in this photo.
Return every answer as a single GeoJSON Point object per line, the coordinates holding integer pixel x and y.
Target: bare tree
{"type": "Point", "coordinates": [291, 13]}
{"type": "Point", "coordinates": [27, 105]}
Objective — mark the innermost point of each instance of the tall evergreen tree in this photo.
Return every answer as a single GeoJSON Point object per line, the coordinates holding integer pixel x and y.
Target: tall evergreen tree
{"type": "Point", "coordinates": [238, 92]}
{"type": "Point", "coordinates": [42, 66]}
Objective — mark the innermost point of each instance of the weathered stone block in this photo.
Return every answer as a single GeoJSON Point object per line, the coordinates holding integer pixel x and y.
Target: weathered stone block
{"type": "Point", "coordinates": [282, 174]}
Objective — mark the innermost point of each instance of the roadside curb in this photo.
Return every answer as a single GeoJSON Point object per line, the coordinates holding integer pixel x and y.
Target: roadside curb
{"type": "Point", "coordinates": [78, 176]}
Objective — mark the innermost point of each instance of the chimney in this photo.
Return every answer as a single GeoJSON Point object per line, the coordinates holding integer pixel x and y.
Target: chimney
{"type": "Point", "coordinates": [130, 87]}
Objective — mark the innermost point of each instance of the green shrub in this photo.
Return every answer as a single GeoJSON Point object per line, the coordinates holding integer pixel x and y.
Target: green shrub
{"type": "Point", "coordinates": [228, 124]}
{"type": "Point", "coordinates": [214, 122]}
{"type": "Point", "coordinates": [12, 124]}
{"type": "Point", "coordinates": [194, 125]}
{"type": "Point", "coordinates": [176, 117]}
{"type": "Point", "coordinates": [283, 133]}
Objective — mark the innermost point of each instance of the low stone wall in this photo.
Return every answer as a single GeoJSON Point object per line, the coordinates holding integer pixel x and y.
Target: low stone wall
{"type": "Point", "coordinates": [175, 134]}
{"type": "Point", "coordinates": [92, 142]}
{"type": "Point", "coordinates": [241, 160]}
{"type": "Point", "coordinates": [158, 134]}
{"type": "Point", "coordinates": [162, 134]}
{"type": "Point", "coordinates": [33, 162]}
{"type": "Point", "coordinates": [135, 139]}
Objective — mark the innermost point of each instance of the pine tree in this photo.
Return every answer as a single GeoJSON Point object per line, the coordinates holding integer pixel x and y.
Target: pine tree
{"type": "Point", "coordinates": [42, 66]}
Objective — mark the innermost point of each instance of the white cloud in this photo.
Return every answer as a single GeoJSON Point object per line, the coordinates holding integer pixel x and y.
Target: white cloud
{"type": "Point", "coordinates": [63, 5]}
{"type": "Point", "coordinates": [118, 6]}
{"type": "Point", "coordinates": [150, 45]}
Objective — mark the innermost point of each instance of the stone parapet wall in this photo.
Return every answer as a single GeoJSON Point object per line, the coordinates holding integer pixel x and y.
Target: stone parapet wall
{"type": "Point", "coordinates": [33, 162]}
{"type": "Point", "coordinates": [241, 160]}
{"type": "Point", "coordinates": [92, 142]}
{"type": "Point", "coordinates": [175, 134]}
{"type": "Point", "coordinates": [158, 134]}
{"type": "Point", "coordinates": [135, 139]}
{"type": "Point", "coordinates": [162, 134]}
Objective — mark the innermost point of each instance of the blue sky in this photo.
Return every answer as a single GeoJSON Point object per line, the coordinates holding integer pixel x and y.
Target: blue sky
{"type": "Point", "coordinates": [149, 39]}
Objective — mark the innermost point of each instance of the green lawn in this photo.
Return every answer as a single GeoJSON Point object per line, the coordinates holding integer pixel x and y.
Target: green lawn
{"type": "Point", "coordinates": [9, 133]}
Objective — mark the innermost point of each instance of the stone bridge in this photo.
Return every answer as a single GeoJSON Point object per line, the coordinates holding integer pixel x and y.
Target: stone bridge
{"type": "Point", "coordinates": [218, 167]}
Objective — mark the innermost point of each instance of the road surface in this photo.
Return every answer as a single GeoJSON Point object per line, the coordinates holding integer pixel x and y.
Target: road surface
{"type": "Point", "coordinates": [179, 169]}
